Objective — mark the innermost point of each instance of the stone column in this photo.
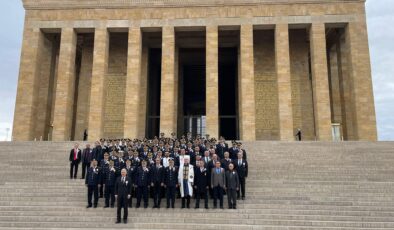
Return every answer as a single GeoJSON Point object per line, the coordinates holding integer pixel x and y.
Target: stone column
{"type": "Point", "coordinates": [282, 60]}
{"type": "Point", "coordinates": [212, 81]}
{"type": "Point", "coordinates": [133, 84]}
{"type": "Point", "coordinates": [359, 74]}
{"type": "Point", "coordinates": [97, 92]}
{"type": "Point", "coordinates": [65, 86]}
{"type": "Point", "coordinates": [321, 97]}
{"type": "Point", "coordinates": [246, 99]}
{"type": "Point", "coordinates": [27, 91]}
{"type": "Point", "coordinates": [169, 83]}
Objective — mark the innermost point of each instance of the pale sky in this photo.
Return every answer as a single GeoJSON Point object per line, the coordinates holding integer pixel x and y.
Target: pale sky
{"type": "Point", "coordinates": [380, 19]}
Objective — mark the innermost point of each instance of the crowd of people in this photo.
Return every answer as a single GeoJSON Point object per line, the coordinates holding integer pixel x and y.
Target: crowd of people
{"type": "Point", "coordinates": [161, 168]}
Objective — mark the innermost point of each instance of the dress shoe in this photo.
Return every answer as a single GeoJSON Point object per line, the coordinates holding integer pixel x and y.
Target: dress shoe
{"type": "Point", "coordinates": [118, 222]}
{"type": "Point", "coordinates": [125, 221]}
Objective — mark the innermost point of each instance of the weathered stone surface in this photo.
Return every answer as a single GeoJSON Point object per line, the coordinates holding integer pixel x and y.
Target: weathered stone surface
{"type": "Point", "coordinates": [247, 108]}
{"type": "Point", "coordinates": [212, 81]}
{"type": "Point", "coordinates": [133, 83]}
{"type": "Point", "coordinates": [98, 89]}
{"type": "Point", "coordinates": [282, 58]}
{"type": "Point", "coordinates": [274, 79]}
{"type": "Point", "coordinates": [65, 87]}
{"type": "Point", "coordinates": [169, 84]}
{"type": "Point", "coordinates": [321, 97]}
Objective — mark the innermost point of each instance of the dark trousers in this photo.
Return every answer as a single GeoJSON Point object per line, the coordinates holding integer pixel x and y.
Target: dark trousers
{"type": "Point", "coordinates": [109, 195]}
{"type": "Point", "coordinates": [101, 189]}
{"type": "Point", "coordinates": [157, 194]}
{"type": "Point", "coordinates": [241, 190]}
{"type": "Point", "coordinates": [217, 194]}
{"type": "Point", "coordinates": [142, 191]}
{"type": "Point", "coordinates": [92, 189]}
{"type": "Point", "coordinates": [122, 203]}
{"type": "Point", "coordinates": [85, 167]}
{"type": "Point", "coordinates": [131, 198]}
{"type": "Point", "coordinates": [186, 199]}
{"type": "Point", "coordinates": [232, 198]}
{"type": "Point", "coordinates": [73, 169]}
{"type": "Point", "coordinates": [203, 195]}
{"type": "Point", "coordinates": [171, 190]}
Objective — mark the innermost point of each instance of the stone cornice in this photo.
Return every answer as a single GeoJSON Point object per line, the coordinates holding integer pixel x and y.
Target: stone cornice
{"type": "Point", "coordinates": [111, 4]}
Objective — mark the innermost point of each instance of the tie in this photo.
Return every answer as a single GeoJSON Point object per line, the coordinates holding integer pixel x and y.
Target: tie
{"type": "Point", "coordinates": [123, 180]}
{"type": "Point", "coordinates": [75, 154]}
{"type": "Point", "coordinates": [239, 162]}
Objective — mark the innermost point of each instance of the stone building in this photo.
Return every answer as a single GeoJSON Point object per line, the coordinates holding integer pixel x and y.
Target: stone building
{"type": "Point", "coordinates": [244, 69]}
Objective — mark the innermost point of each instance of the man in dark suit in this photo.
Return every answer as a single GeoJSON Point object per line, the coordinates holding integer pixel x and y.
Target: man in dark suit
{"type": "Point", "coordinates": [142, 183]}
{"type": "Point", "coordinates": [240, 149]}
{"type": "Point", "coordinates": [131, 175]}
{"type": "Point", "coordinates": [87, 157]}
{"type": "Point", "coordinates": [226, 161]}
{"type": "Point", "coordinates": [170, 183]}
{"type": "Point", "coordinates": [233, 150]}
{"type": "Point", "coordinates": [98, 152]}
{"type": "Point", "coordinates": [201, 184]}
{"type": "Point", "coordinates": [221, 148]}
{"type": "Point", "coordinates": [232, 186]}
{"type": "Point", "coordinates": [156, 182]}
{"type": "Point", "coordinates": [75, 158]}
{"type": "Point", "coordinates": [122, 194]}
{"type": "Point", "coordinates": [218, 181]}
{"type": "Point", "coordinates": [92, 182]}
{"type": "Point", "coordinates": [242, 170]}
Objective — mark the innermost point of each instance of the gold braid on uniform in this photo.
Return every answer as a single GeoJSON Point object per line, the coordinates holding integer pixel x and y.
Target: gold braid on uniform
{"type": "Point", "coordinates": [185, 172]}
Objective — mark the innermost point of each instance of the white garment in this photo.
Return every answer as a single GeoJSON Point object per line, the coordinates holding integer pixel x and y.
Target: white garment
{"type": "Point", "coordinates": [190, 179]}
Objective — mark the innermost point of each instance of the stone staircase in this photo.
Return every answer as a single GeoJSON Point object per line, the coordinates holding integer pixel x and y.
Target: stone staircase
{"type": "Point", "coordinates": [291, 185]}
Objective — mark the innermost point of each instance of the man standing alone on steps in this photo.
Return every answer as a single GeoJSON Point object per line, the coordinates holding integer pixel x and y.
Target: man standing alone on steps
{"type": "Point", "coordinates": [75, 158]}
{"type": "Point", "coordinates": [122, 194]}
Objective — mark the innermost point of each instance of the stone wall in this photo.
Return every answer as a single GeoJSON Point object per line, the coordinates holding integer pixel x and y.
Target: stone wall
{"type": "Point", "coordinates": [301, 89]}
{"type": "Point", "coordinates": [266, 87]}
{"type": "Point", "coordinates": [115, 85]}
{"type": "Point", "coordinates": [84, 87]}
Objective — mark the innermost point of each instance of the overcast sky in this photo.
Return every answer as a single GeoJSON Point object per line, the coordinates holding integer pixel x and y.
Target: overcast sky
{"type": "Point", "coordinates": [380, 18]}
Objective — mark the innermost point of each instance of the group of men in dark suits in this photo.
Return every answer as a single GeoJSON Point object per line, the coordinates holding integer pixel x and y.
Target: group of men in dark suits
{"type": "Point", "coordinates": [162, 168]}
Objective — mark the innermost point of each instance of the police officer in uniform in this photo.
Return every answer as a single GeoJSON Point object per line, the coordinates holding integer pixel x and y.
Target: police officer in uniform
{"type": "Point", "coordinates": [156, 182]}
{"type": "Point", "coordinates": [171, 183]}
{"type": "Point", "coordinates": [142, 183]}
{"type": "Point", "coordinates": [92, 182]}
{"type": "Point", "coordinates": [109, 182]}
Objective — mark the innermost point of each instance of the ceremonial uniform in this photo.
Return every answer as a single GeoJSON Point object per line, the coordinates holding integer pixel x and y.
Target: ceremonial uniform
{"type": "Point", "coordinates": [92, 181]}
{"type": "Point", "coordinates": [142, 181]}
{"type": "Point", "coordinates": [156, 181]}
{"type": "Point", "coordinates": [170, 182]}
{"type": "Point", "coordinates": [109, 182]}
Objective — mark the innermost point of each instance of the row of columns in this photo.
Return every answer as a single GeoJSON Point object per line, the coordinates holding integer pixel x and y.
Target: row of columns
{"type": "Point", "coordinates": [169, 83]}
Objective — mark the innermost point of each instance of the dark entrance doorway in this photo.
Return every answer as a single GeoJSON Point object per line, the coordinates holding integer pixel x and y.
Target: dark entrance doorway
{"type": "Point", "coordinates": [228, 93]}
{"type": "Point", "coordinates": [154, 90]}
{"type": "Point", "coordinates": [192, 98]}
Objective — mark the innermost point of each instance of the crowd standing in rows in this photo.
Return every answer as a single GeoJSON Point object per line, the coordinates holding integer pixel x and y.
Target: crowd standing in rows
{"type": "Point", "coordinates": [123, 169]}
